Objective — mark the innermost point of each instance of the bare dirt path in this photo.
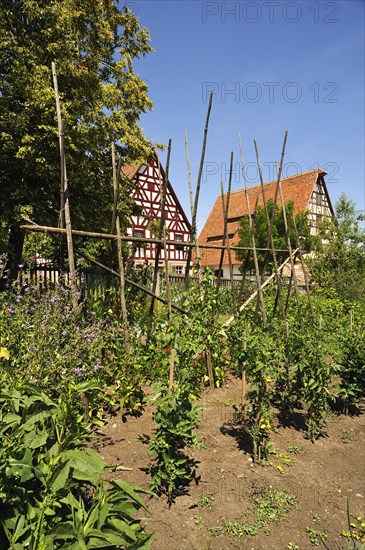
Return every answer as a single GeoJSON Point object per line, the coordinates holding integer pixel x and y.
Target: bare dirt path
{"type": "Point", "coordinates": [216, 512]}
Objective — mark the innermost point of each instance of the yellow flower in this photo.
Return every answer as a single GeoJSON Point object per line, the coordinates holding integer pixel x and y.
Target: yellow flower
{"type": "Point", "coordinates": [4, 353]}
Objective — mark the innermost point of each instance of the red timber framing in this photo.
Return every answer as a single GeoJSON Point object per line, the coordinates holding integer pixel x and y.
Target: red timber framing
{"type": "Point", "coordinates": [319, 204]}
{"type": "Point", "coordinates": [147, 196]}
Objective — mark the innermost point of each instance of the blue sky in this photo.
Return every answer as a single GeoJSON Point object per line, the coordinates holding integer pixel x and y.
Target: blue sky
{"type": "Point", "coordinates": [273, 66]}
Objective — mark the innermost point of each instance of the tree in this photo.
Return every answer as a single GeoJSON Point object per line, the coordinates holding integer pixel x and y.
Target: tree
{"type": "Point", "coordinates": [261, 232]}
{"type": "Point", "coordinates": [339, 256]}
{"type": "Point", "coordinates": [94, 45]}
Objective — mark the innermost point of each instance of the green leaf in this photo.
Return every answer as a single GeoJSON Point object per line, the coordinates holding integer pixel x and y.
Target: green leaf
{"type": "Point", "coordinates": [23, 466]}
{"type": "Point", "coordinates": [71, 501]}
{"type": "Point", "coordinates": [121, 526]}
{"type": "Point", "coordinates": [38, 417]}
{"type": "Point", "coordinates": [39, 440]}
{"type": "Point", "coordinates": [59, 477]}
{"type": "Point", "coordinates": [11, 418]}
{"type": "Point", "coordinates": [102, 539]}
{"type": "Point", "coordinates": [87, 464]}
{"type": "Point", "coordinates": [126, 508]}
{"type": "Point", "coordinates": [86, 385]}
{"type": "Point", "coordinates": [64, 530]}
{"type": "Point", "coordinates": [129, 490]}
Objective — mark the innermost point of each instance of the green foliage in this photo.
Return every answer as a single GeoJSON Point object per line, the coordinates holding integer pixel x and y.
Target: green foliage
{"type": "Point", "coordinates": [47, 339]}
{"type": "Point", "coordinates": [176, 419]}
{"type": "Point", "coordinates": [197, 335]}
{"type": "Point", "coordinates": [314, 378]}
{"type": "Point", "coordinates": [356, 529]}
{"type": "Point", "coordinates": [51, 490]}
{"type": "Point", "coordinates": [269, 506]}
{"type": "Point", "coordinates": [94, 46]}
{"type": "Point", "coordinates": [315, 536]}
{"type": "Point", "coordinates": [207, 499]}
{"type": "Point", "coordinates": [278, 234]}
{"type": "Point", "coordinates": [260, 358]}
{"type": "Point", "coordinates": [63, 350]}
{"type": "Point", "coordinates": [352, 369]}
{"type": "Point", "coordinates": [339, 259]}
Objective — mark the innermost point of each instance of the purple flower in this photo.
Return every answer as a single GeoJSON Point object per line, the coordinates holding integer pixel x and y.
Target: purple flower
{"type": "Point", "coordinates": [11, 309]}
{"type": "Point", "coordinates": [17, 299]}
{"type": "Point", "coordinates": [79, 371]}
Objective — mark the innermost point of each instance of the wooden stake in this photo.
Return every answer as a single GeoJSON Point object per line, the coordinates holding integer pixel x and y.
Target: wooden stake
{"type": "Point", "coordinates": [167, 276]}
{"type": "Point", "coordinates": [257, 272]}
{"type": "Point", "coordinates": [126, 238]}
{"type": "Point", "coordinates": [244, 382]}
{"type": "Point", "coordinates": [254, 294]}
{"type": "Point", "coordinates": [115, 208]}
{"type": "Point", "coordinates": [189, 175]}
{"type": "Point", "coordinates": [64, 188]}
{"type": "Point", "coordinates": [246, 260]}
{"type": "Point", "coordinates": [160, 237]}
{"type": "Point", "coordinates": [196, 199]}
{"type": "Point", "coordinates": [288, 293]}
{"type": "Point", "coordinates": [209, 367]}
{"type": "Point", "coordinates": [171, 372]}
{"type": "Point", "coordinates": [226, 237]}
{"type": "Point", "coordinates": [291, 256]}
{"type": "Point", "coordinates": [197, 251]}
{"type": "Point", "coordinates": [303, 268]}
{"type": "Point", "coordinates": [123, 304]}
{"type": "Point", "coordinates": [270, 240]}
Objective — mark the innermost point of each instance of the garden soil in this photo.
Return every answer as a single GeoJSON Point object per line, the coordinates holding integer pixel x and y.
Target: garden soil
{"type": "Point", "coordinates": [326, 477]}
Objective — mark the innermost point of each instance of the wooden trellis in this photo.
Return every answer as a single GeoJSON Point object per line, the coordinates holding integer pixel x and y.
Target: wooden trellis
{"type": "Point", "coordinates": [115, 236]}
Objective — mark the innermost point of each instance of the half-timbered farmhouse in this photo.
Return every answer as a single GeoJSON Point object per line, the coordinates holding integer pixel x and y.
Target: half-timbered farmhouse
{"type": "Point", "coordinates": [147, 195]}
{"type": "Point", "coordinates": [308, 191]}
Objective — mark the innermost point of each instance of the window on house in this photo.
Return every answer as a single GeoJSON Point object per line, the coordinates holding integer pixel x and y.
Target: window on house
{"type": "Point", "coordinates": [179, 238]}
{"type": "Point", "coordinates": [138, 233]}
{"type": "Point", "coordinates": [138, 247]}
{"type": "Point", "coordinates": [177, 270]}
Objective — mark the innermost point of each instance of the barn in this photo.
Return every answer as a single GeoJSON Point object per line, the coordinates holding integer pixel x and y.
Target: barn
{"type": "Point", "coordinates": [307, 190]}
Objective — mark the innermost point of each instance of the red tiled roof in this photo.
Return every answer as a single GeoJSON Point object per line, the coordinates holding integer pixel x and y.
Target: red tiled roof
{"type": "Point", "coordinates": [297, 188]}
{"type": "Point", "coordinates": [130, 170]}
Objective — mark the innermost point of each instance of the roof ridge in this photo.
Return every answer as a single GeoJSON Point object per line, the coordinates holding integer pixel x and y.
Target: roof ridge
{"type": "Point", "coordinates": [283, 179]}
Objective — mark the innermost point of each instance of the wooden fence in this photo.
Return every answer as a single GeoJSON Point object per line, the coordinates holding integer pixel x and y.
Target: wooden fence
{"type": "Point", "coordinates": [92, 284]}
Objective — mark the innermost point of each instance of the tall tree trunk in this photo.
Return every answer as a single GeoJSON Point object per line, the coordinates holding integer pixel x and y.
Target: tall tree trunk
{"type": "Point", "coordinates": [15, 250]}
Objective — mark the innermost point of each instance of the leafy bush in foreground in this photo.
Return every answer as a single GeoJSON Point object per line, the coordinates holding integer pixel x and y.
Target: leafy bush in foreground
{"type": "Point", "coordinates": [51, 491]}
